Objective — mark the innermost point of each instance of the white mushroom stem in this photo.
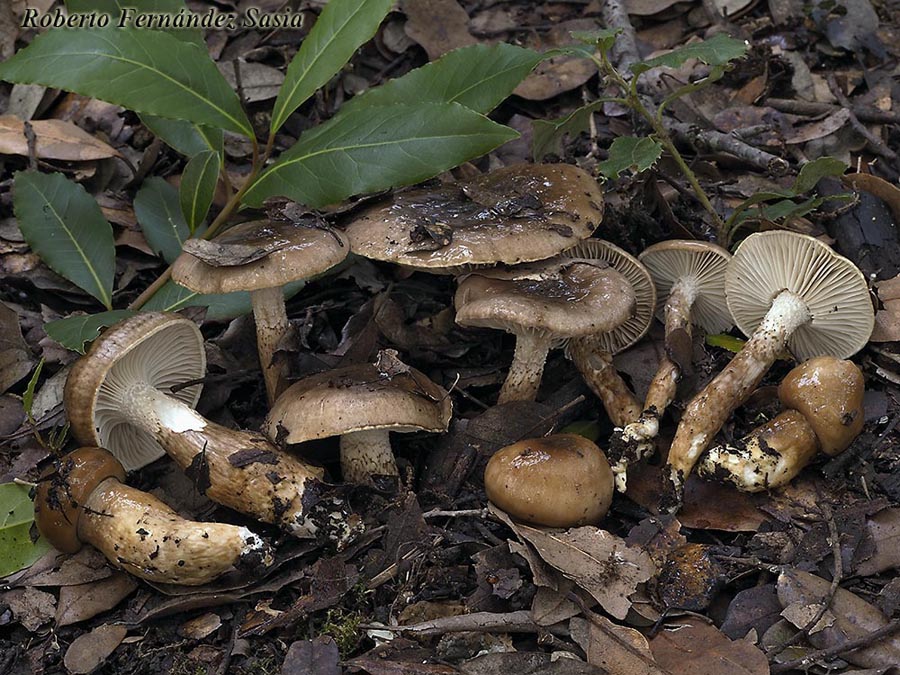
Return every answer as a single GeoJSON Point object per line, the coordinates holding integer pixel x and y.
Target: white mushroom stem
{"type": "Point", "coordinates": [145, 537]}
{"type": "Point", "coordinates": [365, 454]}
{"type": "Point", "coordinates": [604, 380]}
{"type": "Point", "coordinates": [527, 367]}
{"type": "Point", "coordinates": [709, 409]}
{"type": "Point", "coordinates": [271, 320]}
{"type": "Point", "coordinates": [239, 469]}
{"type": "Point", "coordinates": [769, 456]}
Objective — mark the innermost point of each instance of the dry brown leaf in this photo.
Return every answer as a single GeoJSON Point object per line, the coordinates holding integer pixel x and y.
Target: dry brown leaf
{"type": "Point", "coordinates": [259, 82]}
{"type": "Point", "coordinates": [884, 528]}
{"type": "Point", "coordinates": [85, 601]}
{"type": "Point", "coordinates": [689, 646]}
{"type": "Point", "coordinates": [559, 73]}
{"type": "Point", "coordinates": [31, 608]}
{"type": "Point", "coordinates": [549, 607]}
{"type": "Point", "coordinates": [820, 129]}
{"type": "Point", "coordinates": [885, 191]}
{"type": "Point", "coordinates": [849, 617]}
{"type": "Point", "coordinates": [648, 7]}
{"type": "Point", "coordinates": [437, 25]}
{"type": "Point", "coordinates": [15, 357]}
{"type": "Point", "coordinates": [887, 320]}
{"type": "Point", "coordinates": [55, 140]}
{"type": "Point", "coordinates": [87, 652]}
{"type": "Point", "coordinates": [600, 562]}
{"type": "Point", "coordinates": [616, 649]}
{"type": "Point", "coordinates": [200, 626]}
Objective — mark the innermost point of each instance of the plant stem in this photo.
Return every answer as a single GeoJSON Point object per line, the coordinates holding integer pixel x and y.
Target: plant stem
{"type": "Point", "coordinates": [665, 139]}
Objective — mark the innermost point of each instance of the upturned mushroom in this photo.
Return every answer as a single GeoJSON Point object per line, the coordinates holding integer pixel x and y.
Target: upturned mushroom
{"type": "Point", "coordinates": [593, 354]}
{"type": "Point", "coordinates": [783, 289]}
{"type": "Point", "coordinates": [116, 398]}
{"type": "Point", "coordinates": [261, 257]}
{"type": "Point", "coordinates": [362, 404]}
{"type": "Point", "coordinates": [690, 277]}
{"type": "Point", "coordinates": [825, 400]}
{"type": "Point", "coordinates": [84, 499]}
{"type": "Point", "coordinates": [543, 304]}
{"type": "Point", "coordinates": [562, 480]}
{"type": "Point", "coordinates": [512, 215]}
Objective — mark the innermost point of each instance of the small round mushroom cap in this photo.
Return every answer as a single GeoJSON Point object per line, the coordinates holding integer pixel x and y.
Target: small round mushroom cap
{"type": "Point", "coordinates": [358, 398]}
{"type": "Point", "coordinates": [703, 265]}
{"type": "Point", "coordinates": [63, 490]}
{"type": "Point", "coordinates": [829, 393]}
{"type": "Point", "coordinates": [562, 297]}
{"type": "Point", "coordinates": [512, 215]}
{"type": "Point", "coordinates": [159, 349]}
{"type": "Point", "coordinates": [256, 255]}
{"type": "Point", "coordinates": [834, 290]}
{"type": "Point", "coordinates": [556, 481]}
{"type": "Point", "coordinates": [635, 327]}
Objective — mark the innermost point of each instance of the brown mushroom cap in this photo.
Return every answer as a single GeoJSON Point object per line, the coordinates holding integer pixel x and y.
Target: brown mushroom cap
{"type": "Point", "coordinates": [358, 398]}
{"type": "Point", "coordinates": [63, 491]}
{"type": "Point", "coordinates": [557, 481]}
{"type": "Point", "coordinates": [562, 298]}
{"type": "Point", "coordinates": [704, 265]}
{"type": "Point", "coordinates": [833, 289]}
{"type": "Point", "coordinates": [512, 215]}
{"type": "Point", "coordinates": [160, 349]}
{"type": "Point", "coordinates": [636, 326]}
{"type": "Point", "coordinates": [256, 255]}
{"type": "Point", "coordinates": [829, 393]}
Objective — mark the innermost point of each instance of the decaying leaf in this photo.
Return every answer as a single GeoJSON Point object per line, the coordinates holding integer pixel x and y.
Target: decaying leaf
{"type": "Point", "coordinates": [616, 649]}
{"type": "Point", "coordinates": [848, 617]}
{"type": "Point", "coordinates": [56, 139]}
{"type": "Point", "coordinates": [884, 528]}
{"type": "Point", "coordinates": [15, 357]}
{"type": "Point", "coordinates": [89, 650]}
{"type": "Point", "coordinates": [689, 646]}
{"type": "Point", "coordinates": [85, 601]}
{"type": "Point", "coordinates": [437, 25]}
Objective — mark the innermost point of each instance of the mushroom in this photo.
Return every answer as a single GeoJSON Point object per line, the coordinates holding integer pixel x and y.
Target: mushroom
{"type": "Point", "coordinates": [362, 404]}
{"type": "Point", "coordinates": [783, 289]}
{"type": "Point", "coordinates": [116, 398]}
{"type": "Point", "coordinates": [512, 215]}
{"type": "Point", "coordinates": [261, 257]}
{"type": "Point", "coordinates": [690, 275]}
{"type": "Point", "coordinates": [543, 304]}
{"type": "Point", "coordinates": [592, 354]}
{"type": "Point", "coordinates": [825, 397]}
{"type": "Point", "coordinates": [562, 480]}
{"type": "Point", "coordinates": [85, 500]}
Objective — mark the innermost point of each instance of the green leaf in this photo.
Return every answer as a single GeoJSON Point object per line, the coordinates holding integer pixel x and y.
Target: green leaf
{"type": "Point", "coordinates": [198, 187]}
{"type": "Point", "coordinates": [184, 137]}
{"type": "Point", "coordinates": [723, 341]}
{"type": "Point", "coordinates": [603, 39]}
{"type": "Point", "coordinates": [716, 51]}
{"type": "Point", "coordinates": [342, 27]}
{"type": "Point", "coordinates": [547, 135]}
{"type": "Point", "coordinates": [145, 70]}
{"type": "Point", "coordinates": [477, 76]}
{"type": "Point", "coordinates": [114, 9]}
{"type": "Point", "coordinates": [64, 226]}
{"type": "Point", "coordinates": [158, 211]}
{"type": "Point", "coordinates": [812, 172]}
{"type": "Point", "coordinates": [17, 551]}
{"type": "Point", "coordinates": [172, 297]}
{"type": "Point", "coordinates": [28, 396]}
{"type": "Point", "coordinates": [371, 149]}
{"type": "Point", "coordinates": [76, 331]}
{"type": "Point", "coordinates": [627, 152]}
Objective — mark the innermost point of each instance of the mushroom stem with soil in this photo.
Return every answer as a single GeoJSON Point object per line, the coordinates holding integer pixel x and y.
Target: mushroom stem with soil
{"type": "Point", "coordinates": [367, 453]}
{"type": "Point", "coordinates": [270, 317]}
{"type": "Point", "coordinates": [85, 500]}
{"type": "Point", "coordinates": [113, 398]}
{"type": "Point", "coordinates": [782, 288]}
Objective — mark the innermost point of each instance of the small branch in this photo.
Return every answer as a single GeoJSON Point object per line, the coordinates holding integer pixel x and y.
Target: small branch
{"type": "Point", "coordinates": [625, 51]}
{"type": "Point", "coordinates": [877, 145]}
{"type": "Point", "coordinates": [837, 650]}
{"type": "Point", "coordinates": [716, 141]}
{"type": "Point", "coordinates": [479, 622]}
{"type": "Point", "coordinates": [864, 114]}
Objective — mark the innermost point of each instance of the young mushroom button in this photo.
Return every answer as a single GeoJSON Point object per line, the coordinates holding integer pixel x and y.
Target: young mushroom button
{"type": "Point", "coordinates": [690, 278]}
{"type": "Point", "coordinates": [543, 304]}
{"type": "Point", "coordinates": [260, 257]}
{"type": "Point", "coordinates": [783, 289]}
{"type": "Point", "coordinates": [84, 499]}
{"type": "Point", "coordinates": [118, 396]}
{"type": "Point", "coordinates": [562, 480]}
{"type": "Point", "coordinates": [825, 397]}
{"type": "Point", "coordinates": [516, 214]}
{"type": "Point", "coordinates": [362, 404]}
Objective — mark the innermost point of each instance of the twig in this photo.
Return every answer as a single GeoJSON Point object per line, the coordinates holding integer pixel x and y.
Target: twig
{"type": "Point", "coordinates": [840, 462]}
{"type": "Point", "coordinates": [556, 414]}
{"type": "Point", "coordinates": [625, 51]}
{"type": "Point", "coordinates": [877, 145]}
{"type": "Point", "coordinates": [849, 646]}
{"type": "Point", "coordinates": [438, 513]}
{"type": "Point", "coordinates": [31, 141]}
{"type": "Point", "coordinates": [864, 114]}
{"type": "Point", "coordinates": [481, 622]}
{"type": "Point", "coordinates": [716, 141]}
